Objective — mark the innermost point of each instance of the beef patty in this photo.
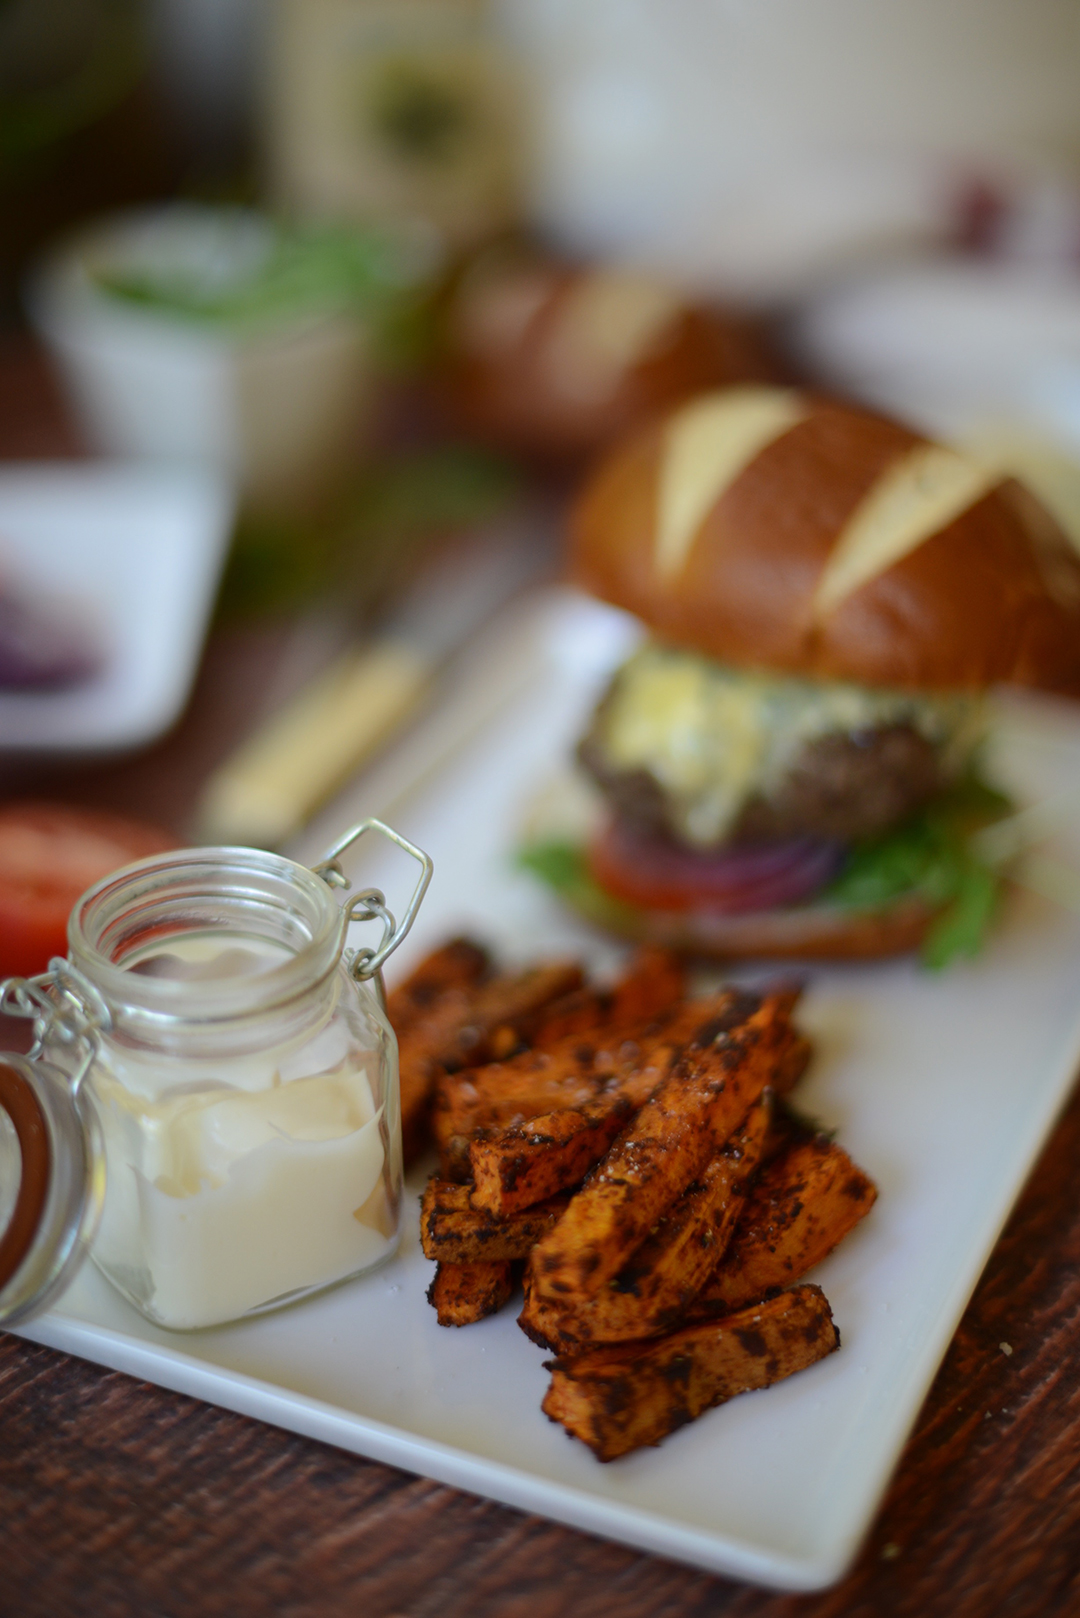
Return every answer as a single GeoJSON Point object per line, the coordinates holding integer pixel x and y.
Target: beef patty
{"type": "Point", "coordinates": [849, 786]}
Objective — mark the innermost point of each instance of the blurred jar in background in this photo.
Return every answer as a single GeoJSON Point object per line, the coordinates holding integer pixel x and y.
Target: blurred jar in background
{"type": "Point", "coordinates": [381, 109]}
{"type": "Point", "coordinates": [750, 146]}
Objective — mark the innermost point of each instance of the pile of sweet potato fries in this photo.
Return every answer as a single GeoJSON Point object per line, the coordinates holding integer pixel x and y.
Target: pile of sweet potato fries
{"type": "Point", "coordinates": [629, 1152]}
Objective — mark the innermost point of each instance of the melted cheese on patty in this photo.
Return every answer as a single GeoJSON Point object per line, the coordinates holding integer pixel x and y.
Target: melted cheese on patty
{"type": "Point", "coordinates": [714, 737]}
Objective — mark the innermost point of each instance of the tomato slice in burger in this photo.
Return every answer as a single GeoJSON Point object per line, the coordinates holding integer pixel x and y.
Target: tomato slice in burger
{"type": "Point", "coordinates": [50, 854]}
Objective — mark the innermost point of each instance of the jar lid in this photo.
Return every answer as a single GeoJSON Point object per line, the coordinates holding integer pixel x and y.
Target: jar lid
{"type": "Point", "coordinates": [52, 1183]}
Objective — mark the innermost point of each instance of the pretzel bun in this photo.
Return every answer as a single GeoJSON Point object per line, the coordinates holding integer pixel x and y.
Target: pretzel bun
{"type": "Point", "coordinates": [771, 528]}
{"type": "Point", "coordinates": [555, 361]}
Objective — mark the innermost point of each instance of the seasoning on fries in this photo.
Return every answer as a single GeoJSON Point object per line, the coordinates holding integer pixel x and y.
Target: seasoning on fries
{"type": "Point", "coordinates": [452, 1231]}
{"type": "Point", "coordinates": [547, 1155]}
{"type": "Point", "coordinates": [620, 1398]}
{"type": "Point", "coordinates": [804, 1204]}
{"type": "Point", "coordinates": [460, 1020]}
{"type": "Point", "coordinates": [662, 1278]}
{"type": "Point", "coordinates": [694, 1109]}
{"type": "Point", "coordinates": [465, 1293]}
{"type": "Point", "coordinates": [630, 1151]}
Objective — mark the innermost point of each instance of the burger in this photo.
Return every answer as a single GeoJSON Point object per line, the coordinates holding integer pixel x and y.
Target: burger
{"type": "Point", "coordinates": [553, 360]}
{"type": "Point", "coordinates": [789, 763]}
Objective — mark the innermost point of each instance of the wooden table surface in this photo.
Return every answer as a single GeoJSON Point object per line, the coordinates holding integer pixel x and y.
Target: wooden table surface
{"type": "Point", "coordinates": [117, 1498]}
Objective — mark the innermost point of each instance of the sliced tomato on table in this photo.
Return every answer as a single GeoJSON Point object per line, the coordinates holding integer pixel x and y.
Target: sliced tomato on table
{"type": "Point", "coordinates": [50, 853]}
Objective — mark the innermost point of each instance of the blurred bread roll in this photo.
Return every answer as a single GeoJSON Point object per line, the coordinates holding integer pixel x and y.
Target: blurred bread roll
{"type": "Point", "coordinates": [554, 360]}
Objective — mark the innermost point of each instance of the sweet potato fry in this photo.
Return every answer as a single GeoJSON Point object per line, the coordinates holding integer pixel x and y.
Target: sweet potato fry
{"type": "Point", "coordinates": [577, 1013]}
{"type": "Point", "coordinates": [513, 1168]}
{"type": "Point", "coordinates": [618, 1399]}
{"type": "Point", "coordinates": [654, 981]}
{"type": "Point", "coordinates": [419, 1049]}
{"type": "Point", "coordinates": [792, 1063]}
{"type": "Point", "coordinates": [512, 999]}
{"type": "Point", "coordinates": [459, 964]}
{"type": "Point", "coordinates": [455, 1027]}
{"type": "Point", "coordinates": [567, 1074]}
{"type": "Point", "coordinates": [652, 1292]}
{"type": "Point", "coordinates": [724, 1070]}
{"type": "Point", "coordinates": [454, 1232]}
{"type": "Point", "coordinates": [806, 1201]}
{"type": "Point", "coordinates": [465, 1293]}
{"type": "Point", "coordinates": [527, 1084]}
{"type": "Point", "coordinates": [576, 1069]}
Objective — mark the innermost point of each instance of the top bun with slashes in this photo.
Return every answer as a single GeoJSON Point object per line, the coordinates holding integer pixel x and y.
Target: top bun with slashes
{"type": "Point", "coordinates": [770, 528]}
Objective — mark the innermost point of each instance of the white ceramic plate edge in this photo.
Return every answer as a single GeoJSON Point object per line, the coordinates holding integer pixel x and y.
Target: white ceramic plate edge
{"type": "Point", "coordinates": [330, 1424]}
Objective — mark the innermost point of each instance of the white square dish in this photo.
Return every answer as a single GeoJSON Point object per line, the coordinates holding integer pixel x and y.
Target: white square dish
{"type": "Point", "coordinates": [137, 550]}
{"type": "Point", "coordinates": [942, 1087]}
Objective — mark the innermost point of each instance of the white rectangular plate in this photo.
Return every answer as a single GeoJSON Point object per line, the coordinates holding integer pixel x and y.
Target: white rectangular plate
{"type": "Point", "coordinates": [942, 1087]}
{"type": "Point", "coordinates": [137, 550]}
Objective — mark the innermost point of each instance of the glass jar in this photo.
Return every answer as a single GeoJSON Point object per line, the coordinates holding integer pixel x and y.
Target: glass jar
{"type": "Point", "coordinates": [240, 1076]}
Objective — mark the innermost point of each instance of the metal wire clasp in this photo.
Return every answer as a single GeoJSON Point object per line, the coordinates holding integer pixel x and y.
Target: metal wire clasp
{"type": "Point", "coordinates": [366, 906]}
{"type": "Point", "coordinates": [66, 1010]}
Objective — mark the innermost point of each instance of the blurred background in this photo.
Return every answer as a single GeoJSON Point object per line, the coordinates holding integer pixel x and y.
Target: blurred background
{"type": "Point", "coordinates": [312, 311]}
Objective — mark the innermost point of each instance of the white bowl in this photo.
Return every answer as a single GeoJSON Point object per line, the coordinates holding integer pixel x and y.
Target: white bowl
{"type": "Point", "coordinates": [139, 549]}
{"type": "Point", "coordinates": [273, 407]}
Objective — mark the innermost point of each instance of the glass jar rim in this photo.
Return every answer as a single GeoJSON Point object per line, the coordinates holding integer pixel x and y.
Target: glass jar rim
{"type": "Point", "coordinates": [242, 875]}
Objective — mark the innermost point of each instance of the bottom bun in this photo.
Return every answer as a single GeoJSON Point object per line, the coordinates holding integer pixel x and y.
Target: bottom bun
{"type": "Point", "coordinates": [821, 931]}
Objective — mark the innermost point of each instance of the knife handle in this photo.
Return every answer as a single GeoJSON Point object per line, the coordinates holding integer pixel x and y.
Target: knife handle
{"type": "Point", "coordinates": [275, 780]}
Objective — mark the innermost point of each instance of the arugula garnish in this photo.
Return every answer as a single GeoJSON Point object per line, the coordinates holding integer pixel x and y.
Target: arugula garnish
{"type": "Point", "coordinates": [930, 856]}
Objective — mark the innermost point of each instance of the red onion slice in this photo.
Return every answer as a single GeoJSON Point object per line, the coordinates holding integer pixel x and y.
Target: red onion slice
{"type": "Point", "coordinates": [738, 878]}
